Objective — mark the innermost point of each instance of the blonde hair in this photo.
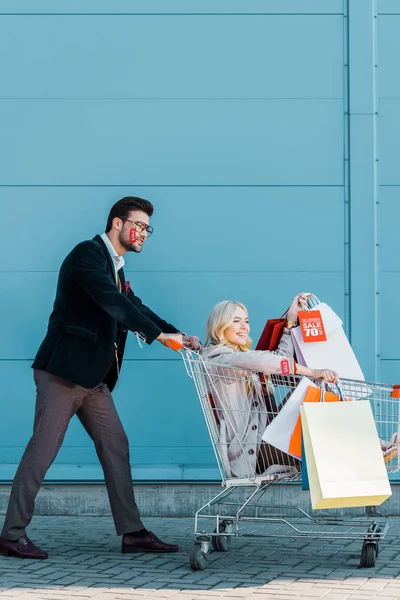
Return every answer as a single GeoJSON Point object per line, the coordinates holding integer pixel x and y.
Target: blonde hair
{"type": "Point", "coordinates": [221, 317]}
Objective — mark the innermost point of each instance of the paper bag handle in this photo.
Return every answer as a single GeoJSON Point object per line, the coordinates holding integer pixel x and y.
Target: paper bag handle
{"type": "Point", "coordinates": [338, 388]}
{"type": "Point", "coordinates": [312, 301]}
{"type": "Point", "coordinates": [285, 313]}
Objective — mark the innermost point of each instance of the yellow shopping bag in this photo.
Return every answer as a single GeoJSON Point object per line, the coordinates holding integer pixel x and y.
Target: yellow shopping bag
{"type": "Point", "coordinates": [344, 456]}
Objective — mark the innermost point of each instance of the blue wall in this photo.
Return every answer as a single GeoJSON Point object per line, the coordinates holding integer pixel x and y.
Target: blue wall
{"type": "Point", "coordinates": [252, 127]}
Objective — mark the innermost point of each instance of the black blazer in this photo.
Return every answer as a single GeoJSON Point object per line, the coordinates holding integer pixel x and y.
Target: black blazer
{"type": "Point", "coordinates": [91, 318]}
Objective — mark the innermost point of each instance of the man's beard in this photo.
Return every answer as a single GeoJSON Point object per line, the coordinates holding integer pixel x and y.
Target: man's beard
{"type": "Point", "coordinates": [128, 245]}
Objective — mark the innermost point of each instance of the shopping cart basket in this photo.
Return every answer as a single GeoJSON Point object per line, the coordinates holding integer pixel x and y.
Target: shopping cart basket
{"type": "Point", "coordinates": [248, 468]}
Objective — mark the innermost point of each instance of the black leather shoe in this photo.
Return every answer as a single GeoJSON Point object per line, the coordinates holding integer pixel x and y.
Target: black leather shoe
{"type": "Point", "coordinates": [150, 543]}
{"type": "Point", "coordinates": [21, 548]}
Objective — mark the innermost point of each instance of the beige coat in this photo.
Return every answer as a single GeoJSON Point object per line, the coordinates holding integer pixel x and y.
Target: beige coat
{"type": "Point", "coordinates": [240, 402]}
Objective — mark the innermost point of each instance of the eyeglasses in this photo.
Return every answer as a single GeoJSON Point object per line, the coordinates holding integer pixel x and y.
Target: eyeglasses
{"type": "Point", "coordinates": [140, 226]}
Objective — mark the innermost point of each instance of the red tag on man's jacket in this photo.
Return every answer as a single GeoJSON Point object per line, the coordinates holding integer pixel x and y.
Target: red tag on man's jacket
{"type": "Point", "coordinates": [127, 286]}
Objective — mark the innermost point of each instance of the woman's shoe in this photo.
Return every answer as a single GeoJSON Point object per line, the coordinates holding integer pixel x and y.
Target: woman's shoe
{"type": "Point", "coordinates": [280, 470]}
{"type": "Point", "coordinates": [390, 454]}
{"type": "Point", "coordinates": [394, 441]}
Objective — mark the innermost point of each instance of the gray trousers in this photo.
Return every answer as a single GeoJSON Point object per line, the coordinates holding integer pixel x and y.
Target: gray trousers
{"type": "Point", "coordinates": [57, 400]}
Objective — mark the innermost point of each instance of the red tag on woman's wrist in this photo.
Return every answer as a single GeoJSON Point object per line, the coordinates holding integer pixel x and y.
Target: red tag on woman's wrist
{"type": "Point", "coordinates": [285, 366]}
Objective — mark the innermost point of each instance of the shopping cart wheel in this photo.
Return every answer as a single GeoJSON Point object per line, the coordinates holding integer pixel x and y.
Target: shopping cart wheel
{"type": "Point", "coordinates": [368, 555]}
{"type": "Point", "coordinates": [198, 558]}
{"type": "Point", "coordinates": [221, 543]}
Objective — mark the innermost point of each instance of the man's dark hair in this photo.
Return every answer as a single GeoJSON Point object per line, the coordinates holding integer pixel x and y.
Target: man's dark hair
{"type": "Point", "coordinates": [123, 207]}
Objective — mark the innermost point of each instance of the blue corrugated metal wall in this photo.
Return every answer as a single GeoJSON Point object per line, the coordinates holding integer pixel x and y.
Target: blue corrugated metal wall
{"type": "Point", "coordinates": [252, 127]}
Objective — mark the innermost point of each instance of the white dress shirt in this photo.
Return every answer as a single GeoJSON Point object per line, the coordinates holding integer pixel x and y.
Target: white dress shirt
{"type": "Point", "coordinates": [118, 261]}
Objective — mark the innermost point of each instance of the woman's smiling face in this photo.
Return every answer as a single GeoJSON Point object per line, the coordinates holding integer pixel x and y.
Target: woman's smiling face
{"type": "Point", "coordinates": [238, 332]}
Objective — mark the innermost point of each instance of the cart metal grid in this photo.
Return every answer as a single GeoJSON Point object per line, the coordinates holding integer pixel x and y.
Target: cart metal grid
{"type": "Point", "coordinates": [248, 466]}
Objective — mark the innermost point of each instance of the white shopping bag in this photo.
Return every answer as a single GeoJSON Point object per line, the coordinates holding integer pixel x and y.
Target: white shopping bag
{"type": "Point", "coordinates": [344, 457]}
{"type": "Point", "coordinates": [279, 432]}
{"type": "Point", "coordinates": [330, 319]}
{"type": "Point", "coordinates": [336, 354]}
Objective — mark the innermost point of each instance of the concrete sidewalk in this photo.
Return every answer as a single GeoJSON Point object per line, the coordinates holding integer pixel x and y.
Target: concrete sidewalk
{"type": "Point", "coordinates": [85, 562]}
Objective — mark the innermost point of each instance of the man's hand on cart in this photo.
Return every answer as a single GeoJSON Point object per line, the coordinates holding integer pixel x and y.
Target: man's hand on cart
{"type": "Point", "coordinates": [191, 342]}
{"type": "Point", "coordinates": [177, 341]}
{"type": "Point", "coordinates": [167, 338]}
{"type": "Point", "coordinates": [326, 374]}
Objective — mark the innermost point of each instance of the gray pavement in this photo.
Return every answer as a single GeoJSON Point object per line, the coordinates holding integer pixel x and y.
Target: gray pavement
{"type": "Point", "coordinates": [85, 563]}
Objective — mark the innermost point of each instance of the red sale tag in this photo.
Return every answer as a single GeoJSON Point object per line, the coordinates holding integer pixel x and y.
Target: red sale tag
{"type": "Point", "coordinates": [132, 235]}
{"type": "Point", "coordinates": [312, 326]}
{"type": "Point", "coordinates": [285, 366]}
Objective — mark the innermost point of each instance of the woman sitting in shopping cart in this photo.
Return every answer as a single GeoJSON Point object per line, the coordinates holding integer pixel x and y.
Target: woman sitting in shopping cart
{"type": "Point", "coordinates": [241, 406]}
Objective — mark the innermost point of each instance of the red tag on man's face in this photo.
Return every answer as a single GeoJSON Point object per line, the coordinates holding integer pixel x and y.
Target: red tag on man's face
{"type": "Point", "coordinates": [312, 326]}
{"type": "Point", "coordinates": [132, 235]}
{"type": "Point", "coordinates": [285, 366]}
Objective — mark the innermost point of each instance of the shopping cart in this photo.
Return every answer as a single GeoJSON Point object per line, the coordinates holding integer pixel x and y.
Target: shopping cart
{"type": "Point", "coordinates": [256, 466]}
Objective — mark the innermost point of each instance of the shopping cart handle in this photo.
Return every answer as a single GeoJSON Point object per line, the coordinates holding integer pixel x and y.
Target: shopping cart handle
{"type": "Point", "coordinates": [174, 344]}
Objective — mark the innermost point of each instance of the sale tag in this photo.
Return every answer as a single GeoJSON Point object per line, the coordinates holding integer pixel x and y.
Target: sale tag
{"type": "Point", "coordinates": [132, 235]}
{"type": "Point", "coordinates": [285, 368]}
{"type": "Point", "coordinates": [312, 327]}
